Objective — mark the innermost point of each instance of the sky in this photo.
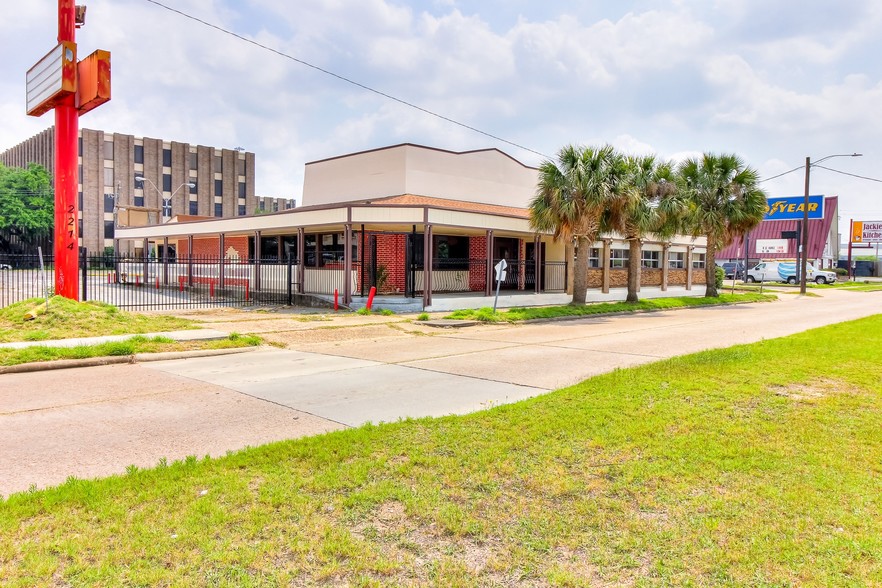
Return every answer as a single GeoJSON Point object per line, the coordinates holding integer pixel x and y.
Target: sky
{"type": "Point", "coordinates": [772, 81]}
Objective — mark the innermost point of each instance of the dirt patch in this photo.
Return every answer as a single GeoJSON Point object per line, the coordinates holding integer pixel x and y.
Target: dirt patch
{"type": "Point", "coordinates": [812, 391]}
{"type": "Point", "coordinates": [304, 338]}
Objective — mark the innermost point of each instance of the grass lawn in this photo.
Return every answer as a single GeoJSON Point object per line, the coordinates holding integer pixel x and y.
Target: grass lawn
{"type": "Point", "coordinates": [756, 465]}
{"type": "Point", "coordinates": [543, 312]}
{"type": "Point", "coordinates": [67, 319]}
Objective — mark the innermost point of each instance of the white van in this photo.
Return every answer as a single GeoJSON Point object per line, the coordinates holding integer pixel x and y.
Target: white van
{"type": "Point", "coordinates": [787, 271]}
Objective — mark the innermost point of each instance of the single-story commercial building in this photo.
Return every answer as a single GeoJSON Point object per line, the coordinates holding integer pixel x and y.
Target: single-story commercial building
{"type": "Point", "coordinates": [421, 224]}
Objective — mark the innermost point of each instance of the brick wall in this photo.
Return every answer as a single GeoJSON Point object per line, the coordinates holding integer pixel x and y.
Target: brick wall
{"type": "Point", "coordinates": [595, 278]}
{"type": "Point", "coordinates": [676, 277]}
{"type": "Point", "coordinates": [477, 272]}
{"type": "Point", "coordinates": [650, 277]}
{"type": "Point", "coordinates": [390, 253]}
{"type": "Point", "coordinates": [618, 278]}
{"type": "Point", "coordinates": [208, 248]}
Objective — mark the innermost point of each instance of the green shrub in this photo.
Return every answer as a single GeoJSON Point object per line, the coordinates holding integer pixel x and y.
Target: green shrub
{"type": "Point", "coordinates": [424, 316]}
{"type": "Point", "coordinates": [841, 271]}
{"type": "Point", "coordinates": [719, 276]}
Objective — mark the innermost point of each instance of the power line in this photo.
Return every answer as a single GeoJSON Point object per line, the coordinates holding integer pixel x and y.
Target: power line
{"type": "Point", "coordinates": [782, 174]}
{"type": "Point", "coordinates": [344, 78]}
{"type": "Point", "coordinates": [848, 174]}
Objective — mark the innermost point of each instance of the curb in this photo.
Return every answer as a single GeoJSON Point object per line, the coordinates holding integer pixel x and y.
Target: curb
{"type": "Point", "coordinates": [63, 364]}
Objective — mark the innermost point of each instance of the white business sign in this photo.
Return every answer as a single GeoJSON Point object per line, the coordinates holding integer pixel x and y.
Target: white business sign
{"type": "Point", "coordinates": [51, 79]}
{"type": "Point", "coordinates": [772, 245]}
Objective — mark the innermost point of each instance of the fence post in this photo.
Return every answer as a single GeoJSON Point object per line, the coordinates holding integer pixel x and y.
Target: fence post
{"type": "Point", "coordinates": [290, 276]}
{"type": "Point", "coordinates": [84, 268]}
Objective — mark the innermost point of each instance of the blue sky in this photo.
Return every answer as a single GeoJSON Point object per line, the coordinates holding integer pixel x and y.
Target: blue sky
{"type": "Point", "coordinates": [773, 81]}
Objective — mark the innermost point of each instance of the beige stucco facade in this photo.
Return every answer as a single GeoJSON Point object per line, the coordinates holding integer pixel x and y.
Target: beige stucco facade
{"type": "Point", "coordinates": [487, 176]}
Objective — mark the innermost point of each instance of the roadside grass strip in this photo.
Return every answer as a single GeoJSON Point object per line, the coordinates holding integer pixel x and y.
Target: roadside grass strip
{"type": "Point", "coordinates": [756, 465]}
{"type": "Point", "coordinates": [486, 314]}
{"type": "Point", "coordinates": [29, 320]}
{"type": "Point", "coordinates": [136, 344]}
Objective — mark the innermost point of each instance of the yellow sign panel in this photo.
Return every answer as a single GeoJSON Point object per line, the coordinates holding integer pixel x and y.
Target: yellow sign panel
{"type": "Point", "coordinates": [866, 232]}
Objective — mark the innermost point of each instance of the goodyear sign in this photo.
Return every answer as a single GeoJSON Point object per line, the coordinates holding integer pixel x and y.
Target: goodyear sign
{"type": "Point", "coordinates": [791, 207]}
{"type": "Point", "coordinates": [866, 232]}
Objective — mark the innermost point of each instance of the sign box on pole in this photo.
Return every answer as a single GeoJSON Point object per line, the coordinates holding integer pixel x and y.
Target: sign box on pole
{"type": "Point", "coordinates": [866, 232]}
{"type": "Point", "coordinates": [791, 208]}
{"type": "Point", "coordinates": [52, 79]}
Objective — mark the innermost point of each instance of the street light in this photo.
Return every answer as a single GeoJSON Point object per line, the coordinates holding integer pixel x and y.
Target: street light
{"type": "Point", "coordinates": [803, 261]}
{"type": "Point", "coordinates": [166, 201]}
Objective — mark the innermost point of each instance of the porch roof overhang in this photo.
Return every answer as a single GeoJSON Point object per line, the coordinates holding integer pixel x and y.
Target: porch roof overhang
{"type": "Point", "coordinates": [380, 217]}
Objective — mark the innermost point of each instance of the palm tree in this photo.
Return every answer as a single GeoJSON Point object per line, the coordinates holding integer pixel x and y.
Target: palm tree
{"type": "Point", "coordinates": [648, 202]}
{"type": "Point", "coordinates": [571, 196]}
{"type": "Point", "coordinates": [725, 201]}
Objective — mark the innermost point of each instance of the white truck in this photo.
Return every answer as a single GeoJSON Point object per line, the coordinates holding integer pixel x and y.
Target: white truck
{"type": "Point", "coordinates": [787, 271]}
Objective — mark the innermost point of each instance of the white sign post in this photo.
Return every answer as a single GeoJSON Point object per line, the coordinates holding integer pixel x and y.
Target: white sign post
{"type": "Point", "coordinates": [500, 276]}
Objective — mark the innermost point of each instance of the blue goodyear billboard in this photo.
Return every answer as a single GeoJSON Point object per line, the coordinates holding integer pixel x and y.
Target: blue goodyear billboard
{"type": "Point", "coordinates": [791, 207]}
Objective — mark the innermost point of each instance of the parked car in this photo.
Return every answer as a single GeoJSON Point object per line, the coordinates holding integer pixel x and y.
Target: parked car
{"type": "Point", "coordinates": [787, 271]}
{"type": "Point", "coordinates": [733, 269]}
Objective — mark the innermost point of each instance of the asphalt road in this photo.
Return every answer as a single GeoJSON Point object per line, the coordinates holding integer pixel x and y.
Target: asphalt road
{"type": "Point", "coordinates": [96, 421]}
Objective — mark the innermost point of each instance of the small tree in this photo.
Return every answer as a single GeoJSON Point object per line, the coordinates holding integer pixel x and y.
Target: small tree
{"type": "Point", "coordinates": [647, 203]}
{"type": "Point", "coordinates": [725, 201]}
{"type": "Point", "coordinates": [27, 205]}
{"type": "Point", "coordinates": [570, 199]}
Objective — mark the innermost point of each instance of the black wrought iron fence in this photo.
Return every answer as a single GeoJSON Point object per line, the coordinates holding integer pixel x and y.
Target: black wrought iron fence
{"type": "Point", "coordinates": [21, 277]}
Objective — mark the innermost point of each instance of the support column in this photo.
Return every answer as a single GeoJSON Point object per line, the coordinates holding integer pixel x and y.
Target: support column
{"type": "Point", "coordinates": [607, 245]}
{"type": "Point", "coordinates": [220, 262]}
{"type": "Point", "coordinates": [257, 255]}
{"type": "Point", "coordinates": [190, 261]}
{"type": "Point", "coordinates": [689, 267]}
{"type": "Point", "coordinates": [537, 263]}
{"type": "Point", "coordinates": [301, 260]}
{"type": "Point", "coordinates": [427, 265]}
{"type": "Point", "coordinates": [347, 264]}
{"type": "Point", "coordinates": [165, 261]}
{"type": "Point", "coordinates": [665, 255]}
{"type": "Point", "coordinates": [145, 257]}
{"type": "Point", "coordinates": [488, 279]}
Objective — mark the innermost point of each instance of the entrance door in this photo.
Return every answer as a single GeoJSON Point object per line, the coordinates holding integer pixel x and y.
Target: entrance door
{"type": "Point", "coordinates": [534, 264]}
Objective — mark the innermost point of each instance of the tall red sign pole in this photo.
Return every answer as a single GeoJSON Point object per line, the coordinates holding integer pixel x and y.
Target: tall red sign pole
{"type": "Point", "coordinates": [66, 174]}
{"type": "Point", "coordinates": [72, 88]}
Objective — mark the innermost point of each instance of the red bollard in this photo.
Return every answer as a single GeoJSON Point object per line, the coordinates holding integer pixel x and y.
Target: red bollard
{"type": "Point", "coordinates": [336, 305]}
{"type": "Point", "coordinates": [181, 282]}
{"type": "Point", "coordinates": [371, 296]}
{"type": "Point", "coordinates": [246, 291]}
{"type": "Point", "coordinates": [108, 276]}
{"type": "Point", "coordinates": [157, 282]}
{"type": "Point", "coordinates": [137, 279]}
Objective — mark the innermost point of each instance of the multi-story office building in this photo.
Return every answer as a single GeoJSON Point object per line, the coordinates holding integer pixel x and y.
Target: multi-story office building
{"type": "Point", "coordinates": [178, 179]}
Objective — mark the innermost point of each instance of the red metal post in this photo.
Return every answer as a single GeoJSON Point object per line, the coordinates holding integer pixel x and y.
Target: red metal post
{"type": "Point", "coordinates": [66, 214]}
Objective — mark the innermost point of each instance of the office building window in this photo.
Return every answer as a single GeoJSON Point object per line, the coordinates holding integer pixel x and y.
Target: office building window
{"type": "Point", "coordinates": [193, 186]}
{"type": "Point", "coordinates": [651, 259]}
{"type": "Point", "coordinates": [194, 160]}
{"type": "Point", "coordinates": [108, 203]}
{"type": "Point", "coordinates": [194, 207]}
{"type": "Point", "coordinates": [80, 201]}
{"type": "Point", "coordinates": [675, 260]}
{"type": "Point", "coordinates": [80, 146]}
{"type": "Point", "coordinates": [108, 177]}
{"type": "Point", "coordinates": [139, 154]}
{"type": "Point", "coordinates": [218, 209]}
{"type": "Point", "coordinates": [240, 167]}
{"type": "Point", "coordinates": [241, 189]}
{"type": "Point", "coordinates": [166, 182]}
{"type": "Point", "coordinates": [80, 171]}
{"type": "Point", "coordinates": [241, 210]}
{"type": "Point", "coordinates": [166, 157]}
{"type": "Point", "coordinates": [261, 205]}
{"type": "Point", "coordinates": [218, 187]}
{"type": "Point", "coordinates": [166, 208]}
{"type": "Point", "coordinates": [698, 260]}
{"type": "Point", "coordinates": [139, 200]}
{"type": "Point", "coordinates": [594, 257]}
{"type": "Point", "coordinates": [80, 227]}
{"type": "Point", "coordinates": [108, 150]}
{"type": "Point", "coordinates": [618, 258]}
{"type": "Point", "coordinates": [218, 167]}
{"type": "Point", "coordinates": [108, 229]}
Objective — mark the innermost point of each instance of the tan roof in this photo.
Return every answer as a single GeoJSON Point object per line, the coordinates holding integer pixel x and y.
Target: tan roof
{"type": "Point", "coordinates": [455, 204]}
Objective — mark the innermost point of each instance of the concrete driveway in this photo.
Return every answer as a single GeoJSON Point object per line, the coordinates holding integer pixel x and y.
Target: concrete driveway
{"type": "Point", "coordinates": [96, 421]}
